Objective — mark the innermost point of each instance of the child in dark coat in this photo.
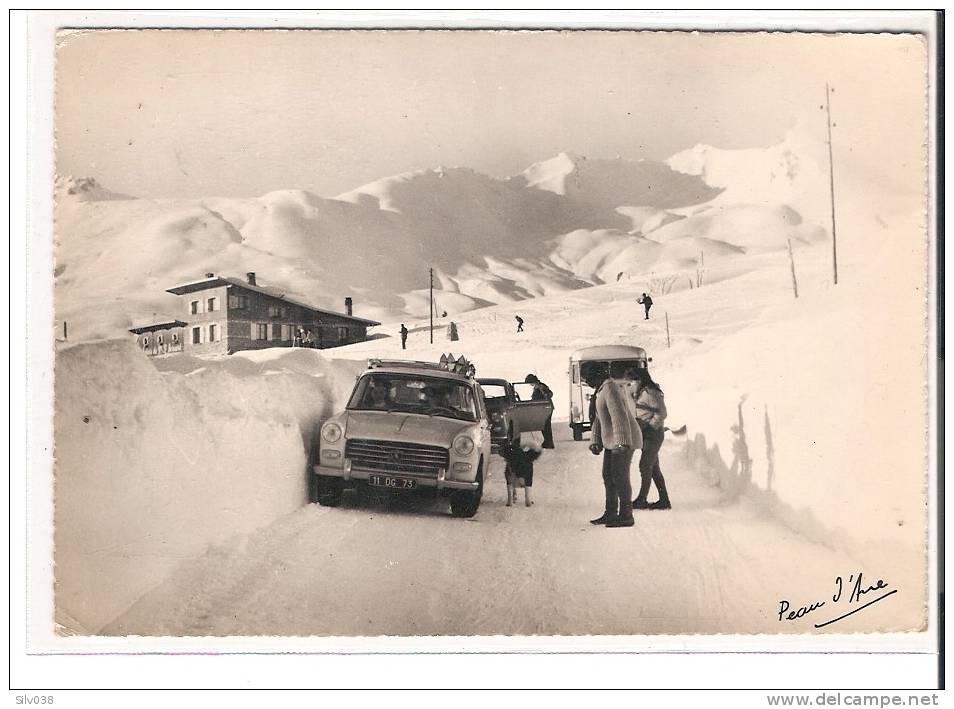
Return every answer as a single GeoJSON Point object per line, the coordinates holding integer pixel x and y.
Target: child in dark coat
{"type": "Point", "coordinates": [519, 470]}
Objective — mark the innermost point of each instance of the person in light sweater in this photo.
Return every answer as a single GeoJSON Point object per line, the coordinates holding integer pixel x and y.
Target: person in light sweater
{"type": "Point", "coordinates": [616, 434]}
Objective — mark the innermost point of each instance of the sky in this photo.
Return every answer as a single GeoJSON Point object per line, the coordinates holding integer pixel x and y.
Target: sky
{"type": "Point", "coordinates": [193, 113]}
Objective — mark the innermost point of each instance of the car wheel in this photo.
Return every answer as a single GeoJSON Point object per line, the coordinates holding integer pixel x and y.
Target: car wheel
{"type": "Point", "coordinates": [577, 433]}
{"type": "Point", "coordinates": [327, 490]}
{"type": "Point", "coordinates": [464, 503]}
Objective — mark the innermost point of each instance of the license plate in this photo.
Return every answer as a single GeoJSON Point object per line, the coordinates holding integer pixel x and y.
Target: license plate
{"type": "Point", "coordinates": [392, 482]}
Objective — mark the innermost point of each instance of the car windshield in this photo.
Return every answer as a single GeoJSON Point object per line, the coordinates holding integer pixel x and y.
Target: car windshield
{"type": "Point", "coordinates": [414, 394]}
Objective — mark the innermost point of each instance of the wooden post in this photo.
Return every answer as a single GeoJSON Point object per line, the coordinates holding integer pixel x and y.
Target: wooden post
{"type": "Point", "coordinates": [432, 304]}
{"type": "Point", "coordinates": [668, 341]}
{"type": "Point", "coordinates": [65, 337]}
{"type": "Point", "coordinates": [791, 260]}
{"type": "Point", "coordinates": [831, 182]}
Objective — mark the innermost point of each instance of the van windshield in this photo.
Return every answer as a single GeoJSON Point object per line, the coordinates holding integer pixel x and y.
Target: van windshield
{"type": "Point", "coordinates": [617, 368]}
{"type": "Point", "coordinates": [414, 394]}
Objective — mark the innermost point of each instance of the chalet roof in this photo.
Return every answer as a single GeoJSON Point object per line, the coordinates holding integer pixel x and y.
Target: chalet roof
{"type": "Point", "coordinates": [152, 327]}
{"type": "Point", "coordinates": [219, 281]}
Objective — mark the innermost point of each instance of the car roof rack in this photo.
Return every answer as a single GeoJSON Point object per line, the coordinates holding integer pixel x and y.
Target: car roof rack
{"type": "Point", "coordinates": [447, 363]}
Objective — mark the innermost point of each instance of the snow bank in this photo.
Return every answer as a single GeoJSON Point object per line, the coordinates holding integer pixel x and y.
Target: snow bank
{"type": "Point", "coordinates": [155, 460]}
{"type": "Point", "coordinates": [820, 406]}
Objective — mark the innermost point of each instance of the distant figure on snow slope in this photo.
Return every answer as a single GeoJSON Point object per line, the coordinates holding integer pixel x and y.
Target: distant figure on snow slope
{"type": "Point", "coordinates": [647, 303]}
{"type": "Point", "coordinates": [519, 323]}
{"type": "Point", "coordinates": [403, 337]}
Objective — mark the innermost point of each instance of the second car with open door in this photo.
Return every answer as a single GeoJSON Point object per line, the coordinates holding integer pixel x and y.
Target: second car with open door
{"type": "Point", "coordinates": [512, 410]}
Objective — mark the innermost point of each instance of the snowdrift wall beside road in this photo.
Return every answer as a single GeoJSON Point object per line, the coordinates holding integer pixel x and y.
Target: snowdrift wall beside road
{"type": "Point", "coordinates": [153, 466]}
{"type": "Point", "coordinates": [821, 407]}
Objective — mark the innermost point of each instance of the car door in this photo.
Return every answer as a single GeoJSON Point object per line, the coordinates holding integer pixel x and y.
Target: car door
{"type": "Point", "coordinates": [532, 414]}
{"type": "Point", "coordinates": [483, 425]}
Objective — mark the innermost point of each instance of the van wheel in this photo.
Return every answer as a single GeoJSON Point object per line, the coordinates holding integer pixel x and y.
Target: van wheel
{"type": "Point", "coordinates": [464, 503]}
{"type": "Point", "coordinates": [577, 433]}
{"type": "Point", "coordinates": [326, 490]}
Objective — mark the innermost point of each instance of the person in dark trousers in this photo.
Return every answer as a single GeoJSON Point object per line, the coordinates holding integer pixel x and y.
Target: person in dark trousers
{"type": "Point", "coordinates": [616, 435]}
{"type": "Point", "coordinates": [650, 407]}
{"type": "Point", "coordinates": [647, 303]}
{"type": "Point", "coordinates": [519, 323]}
{"type": "Point", "coordinates": [541, 392]}
{"type": "Point", "coordinates": [403, 337]}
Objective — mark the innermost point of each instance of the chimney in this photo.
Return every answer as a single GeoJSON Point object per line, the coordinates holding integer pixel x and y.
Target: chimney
{"type": "Point", "coordinates": [210, 275]}
{"type": "Point", "coordinates": [250, 277]}
{"type": "Point", "coordinates": [348, 306]}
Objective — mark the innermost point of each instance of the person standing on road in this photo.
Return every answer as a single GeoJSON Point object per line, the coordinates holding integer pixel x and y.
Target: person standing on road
{"type": "Point", "coordinates": [403, 337]}
{"type": "Point", "coordinates": [519, 323]}
{"type": "Point", "coordinates": [616, 434]}
{"type": "Point", "coordinates": [650, 407]}
{"type": "Point", "coordinates": [647, 303]}
{"type": "Point", "coordinates": [541, 392]}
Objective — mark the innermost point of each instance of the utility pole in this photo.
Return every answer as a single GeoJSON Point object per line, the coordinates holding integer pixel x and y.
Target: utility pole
{"type": "Point", "coordinates": [791, 260]}
{"type": "Point", "coordinates": [668, 341]}
{"type": "Point", "coordinates": [432, 305]}
{"type": "Point", "coordinates": [831, 182]}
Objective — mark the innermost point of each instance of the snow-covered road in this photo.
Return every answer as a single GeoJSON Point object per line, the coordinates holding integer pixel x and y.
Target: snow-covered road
{"type": "Point", "coordinates": [406, 567]}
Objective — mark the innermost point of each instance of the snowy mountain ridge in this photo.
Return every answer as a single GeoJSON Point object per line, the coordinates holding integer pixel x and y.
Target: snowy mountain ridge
{"type": "Point", "coordinates": [563, 224]}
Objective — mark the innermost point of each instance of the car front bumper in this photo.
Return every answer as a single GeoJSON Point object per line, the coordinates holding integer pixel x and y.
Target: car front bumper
{"type": "Point", "coordinates": [441, 482]}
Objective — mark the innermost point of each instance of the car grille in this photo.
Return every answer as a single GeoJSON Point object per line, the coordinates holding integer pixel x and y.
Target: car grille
{"type": "Point", "coordinates": [396, 457]}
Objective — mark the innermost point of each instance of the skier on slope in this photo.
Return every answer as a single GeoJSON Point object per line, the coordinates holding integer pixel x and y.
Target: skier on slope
{"type": "Point", "coordinates": [647, 303]}
{"type": "Point", "coordinates": [519, 323]}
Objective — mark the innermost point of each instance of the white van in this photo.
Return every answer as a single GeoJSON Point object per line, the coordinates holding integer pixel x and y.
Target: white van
{"type": "Point", "coordinates": [617, 359]}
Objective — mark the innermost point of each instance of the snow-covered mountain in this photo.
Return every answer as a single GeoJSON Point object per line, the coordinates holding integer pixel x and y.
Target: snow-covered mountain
{"type": "Point", "coordinates": [562, 224]}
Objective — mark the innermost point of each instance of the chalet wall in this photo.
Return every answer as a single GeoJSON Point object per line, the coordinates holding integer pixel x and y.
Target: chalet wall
{"type": "Point", "coordinates": [160, 342]}
{"type": "Point", "coordinates": [229, 318]}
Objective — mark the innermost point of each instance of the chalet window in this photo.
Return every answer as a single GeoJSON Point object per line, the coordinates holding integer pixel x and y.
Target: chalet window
{"type": "Point", "coordinates": [159, 340]}
{"type": "Point", "coordinates": [196, 335]}
{"type": "Point", "coordinates": [277, 311]}
{"type": "Point", "coordinates": [343, 333]}
{"type": "Point", "coordinates": [212, 333]}
{"type": "Point", "coordinates": [276, 331]}
{"type": "Point", "coordinates": [238, 302]}
{"type": "Point", "coordinates": [175, 339]}
{"type": "Point", "coordinates": [145, 343]}
{"type": "Point", "coordinates": [194, 307]}
{"type": "Point", "coordinates": [259, 331]}
{"type": "Point", "coordinates": [211, 305]}
{"type": "Point", "coordinates": [286, 332]}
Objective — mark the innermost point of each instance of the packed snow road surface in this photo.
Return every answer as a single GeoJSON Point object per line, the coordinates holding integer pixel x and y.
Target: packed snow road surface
{"type": "Point", "coordinates": [404, 566]}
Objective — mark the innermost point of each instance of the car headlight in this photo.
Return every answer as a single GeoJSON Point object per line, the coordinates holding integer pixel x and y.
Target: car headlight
{"type": "Point", "coordinates": [463, 445]}
{"type": "Point", "coordinates": [496, 416]}
{"type": "Point", "coordinates": [331, 432]}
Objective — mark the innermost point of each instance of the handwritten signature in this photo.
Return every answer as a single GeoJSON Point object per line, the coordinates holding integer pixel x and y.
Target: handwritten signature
{"type": "Point", "coordinates": [849, 593]}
